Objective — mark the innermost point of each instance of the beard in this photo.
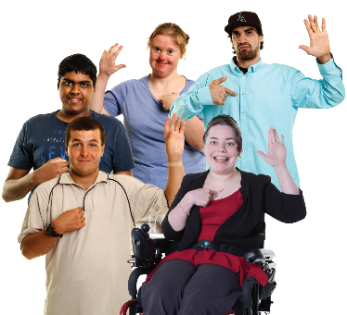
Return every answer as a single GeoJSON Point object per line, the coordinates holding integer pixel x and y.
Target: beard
{"type": "Point", "coordinates": [248, 54]}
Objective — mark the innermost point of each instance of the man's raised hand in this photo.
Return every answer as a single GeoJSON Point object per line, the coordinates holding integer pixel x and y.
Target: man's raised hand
{"type": "Point", "coordinates": [319, 40]}
{"type": "Point", "coordinates": [218, 92]}
{"type": "Point", "coordinates": [107, 64]}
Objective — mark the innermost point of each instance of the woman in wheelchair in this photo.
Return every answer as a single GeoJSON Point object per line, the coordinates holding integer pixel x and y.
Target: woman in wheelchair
{"type": "Point", "coordinates": [216, 217]}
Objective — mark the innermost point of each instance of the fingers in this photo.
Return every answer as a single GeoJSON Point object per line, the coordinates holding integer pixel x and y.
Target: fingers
{"type": "Point", "coordinates": [114, 48]}
{"type": "Point", "coordinates": [173, 122]}
{"type": "Point", "coordinates": [166, 125]}
{"type": "Point", "coordinates": [119, 67]}
{"type": "Point", "coordinates": [220, 80]}
{"type": "Point", "coordinates": [276, 136]}
{"type": "Point", "coordinates": [230, 92]}
{"type": "Point", "coordinates": [324, 25]}
{"type": "Point", "coordinates": [262, 155]}
{"type": "Point", "coordinates": [305, 48]}
{"type": "Point", "coordinates": [282, 139]}
{"type": "Point", "coordinates": [183, 127]}
{"type": "Point", "coordinates": [308, 27]}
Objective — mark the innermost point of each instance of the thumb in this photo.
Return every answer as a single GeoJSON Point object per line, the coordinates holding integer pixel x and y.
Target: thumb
{"type": "Point", "coordinates": [303, 47]}
{"type": "Point", "coordinates": [116, 68]}
{"type": "Point", "coordinates": [264, 156]}
{"type": "Point", "coordinates": [220, 80]}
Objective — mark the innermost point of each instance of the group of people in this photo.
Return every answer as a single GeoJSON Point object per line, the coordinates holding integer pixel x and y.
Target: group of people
{"type": "Point", "coordinates": [93, 180]}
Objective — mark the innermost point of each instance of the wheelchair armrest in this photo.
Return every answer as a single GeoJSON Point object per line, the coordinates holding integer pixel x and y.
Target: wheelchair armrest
{"type": "Point", "coordinates": [259, 255]}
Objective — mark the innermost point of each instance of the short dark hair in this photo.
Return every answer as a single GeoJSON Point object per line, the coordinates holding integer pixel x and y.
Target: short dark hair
{"type": "Point", "coordinates": [78, 63]}
{"type": "Point", "coordinates": [227, 121]}
{"type": "Point", "coordinates": [259, 32]}
{"type": "Point", "coordinates": [84, 123]}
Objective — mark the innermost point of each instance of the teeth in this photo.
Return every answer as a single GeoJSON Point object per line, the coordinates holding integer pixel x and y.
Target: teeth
{"type": "Point", "coordinates": [220, 158]}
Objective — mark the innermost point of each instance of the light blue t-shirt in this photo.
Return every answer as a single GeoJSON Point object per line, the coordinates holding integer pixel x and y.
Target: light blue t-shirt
{"type": "Point", "coordinates": [144, 119]}
{"type": "Point", "coordinates": [268, 95]}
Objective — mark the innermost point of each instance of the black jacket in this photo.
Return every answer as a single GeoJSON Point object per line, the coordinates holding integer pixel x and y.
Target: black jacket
{"type": "Point", "coordinates": [245, 229]}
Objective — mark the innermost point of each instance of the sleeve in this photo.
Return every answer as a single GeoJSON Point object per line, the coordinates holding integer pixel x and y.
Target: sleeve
{"type": "Point", "coordinates": [114, 98]}
{"type": "Point", "coordinates": [145, 199]}
{"type": "Point", "coordinates": [21, 157]}
{"type": "Point", "coordinates": [325, 93]}
{"type": "Point", "coordinates": [122, 159]}
{"type": "Point", "coordinates": [283, 207]}
{"type": "Point", "coordinates": [191, 103]}
{"type": "Point", "coordinates": [34, 220]}
{"type": "Point", "coordinates": [168, 231]}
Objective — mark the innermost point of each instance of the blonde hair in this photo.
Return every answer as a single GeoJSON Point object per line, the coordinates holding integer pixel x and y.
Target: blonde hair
{"type": "Point", "coordinates": [179, 36]}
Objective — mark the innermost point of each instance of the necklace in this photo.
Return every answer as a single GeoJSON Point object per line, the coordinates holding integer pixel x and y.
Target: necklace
{"type": "Point", "coordinates": [216, 195]}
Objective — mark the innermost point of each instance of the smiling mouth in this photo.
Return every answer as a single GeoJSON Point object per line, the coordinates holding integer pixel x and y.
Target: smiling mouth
{"type": "Point", "coordinates": [74, 100]}
{"type": "Point", "coordinates": [221, 158]}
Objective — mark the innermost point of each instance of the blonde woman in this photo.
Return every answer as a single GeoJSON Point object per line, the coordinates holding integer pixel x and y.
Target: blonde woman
{"type": "Point", "coordinates": [145, 103]}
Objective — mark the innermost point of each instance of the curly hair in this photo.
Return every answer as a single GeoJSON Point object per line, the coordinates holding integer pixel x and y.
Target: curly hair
{"type": "Point", "coordinates": [179, 36]}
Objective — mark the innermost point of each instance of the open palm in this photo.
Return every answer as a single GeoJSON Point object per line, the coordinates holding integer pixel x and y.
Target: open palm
{"type": "Point", "coordinates": [174, 136]}
{"type": "Point", "coordinates": [277, 152]}
{"type": "Point", "coordinates": [319, 39]}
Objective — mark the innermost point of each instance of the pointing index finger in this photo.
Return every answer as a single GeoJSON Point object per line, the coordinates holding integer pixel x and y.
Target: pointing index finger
{"type": "Point", "coordinates": [230, 92]}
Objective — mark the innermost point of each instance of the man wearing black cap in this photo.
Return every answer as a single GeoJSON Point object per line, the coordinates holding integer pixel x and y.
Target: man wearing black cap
{"type": "Point", "coordinates": [260, 96]}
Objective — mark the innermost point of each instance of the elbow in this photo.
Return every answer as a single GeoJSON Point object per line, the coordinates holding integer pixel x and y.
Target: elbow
{"type": "Point", "coordinates": [200, 146]}
{"type": "Point", "coordinates": [5, 195]}
{"type": "Point", "coordinates": [26, 253]}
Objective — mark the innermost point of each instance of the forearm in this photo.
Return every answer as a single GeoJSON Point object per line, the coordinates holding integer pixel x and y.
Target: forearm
{"type": "Point", "coordinates": [98, 98]}
{"type": "Point", "coordinates": [37, 244]}
{"type": "Point", "coordinates": [179, 215]}
{"type": "Point", "coordinates": [174, 180]}
{"type": "Point", "coordinates": [194, 132]}
{"type": "Point", "coordinates": [16, 189]}
{"type": "Point", "coordinates": [286, 181]}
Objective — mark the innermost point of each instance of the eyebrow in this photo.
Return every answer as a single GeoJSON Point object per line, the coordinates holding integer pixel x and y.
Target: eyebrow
{"type": "Point", "coordinates": [70, 81]}
{"type": "Point", "coordinates": [92, 140]}
{"type": "Point", "coordinates": [246, 30]}
{"type": "Point", "coordinates": [225, 139]}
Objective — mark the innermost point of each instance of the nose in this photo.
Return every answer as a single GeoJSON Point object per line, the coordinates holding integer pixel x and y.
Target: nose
{"type": "Point", "coordinates": [75, 89]}
{"type": "Point", "coordinates": [162, 56]}
{"type": "Point", "coordinates": [242, 38]}
{"type": "Point", "coordinates": [84, 150]}
{"type": "Point", "coordinates": [221, 147]}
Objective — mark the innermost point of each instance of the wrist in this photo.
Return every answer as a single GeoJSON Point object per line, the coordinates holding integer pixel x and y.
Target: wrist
{"type": "Point", "coordinates": [280, 167]}
{"type": "Point", "coordinates": [103, 77]}
{"type": "Point", "coordinates": [174, 160]}
{"type": "Point", "coordinates": [58, 228]}
{"type": "Point", "coordinates": [325, 58]}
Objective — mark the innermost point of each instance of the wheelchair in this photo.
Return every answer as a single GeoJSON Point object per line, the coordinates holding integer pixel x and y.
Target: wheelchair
{"type": "Point", "coordinates": [149, 252]}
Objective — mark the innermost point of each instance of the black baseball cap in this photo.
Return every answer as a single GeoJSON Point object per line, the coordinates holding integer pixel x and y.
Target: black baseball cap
{"type": "Point", "coordinates": [243, 18]}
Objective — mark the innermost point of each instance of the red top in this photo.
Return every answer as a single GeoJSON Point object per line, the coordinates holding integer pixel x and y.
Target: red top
{"type": "Point", "coordinates": [212, 217]}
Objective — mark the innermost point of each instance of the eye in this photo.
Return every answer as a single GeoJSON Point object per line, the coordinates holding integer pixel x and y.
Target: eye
{"type": "Point", "coordinates": [77, 144]}
{"type": "Point", "coordinates": [213, 142]}
{"type": "Point", "coordinates": [230, 143]}
{"type": "Point", "coordinates": [170, 51]}
{"type": "Point", "coordinates": [84, 85]}
{"type": "Point", "coordinates": [66, 83]}
{"type": "Point", "coordinates": [249, 32]}
{"type": "Point", "coordinates": [156, 49]}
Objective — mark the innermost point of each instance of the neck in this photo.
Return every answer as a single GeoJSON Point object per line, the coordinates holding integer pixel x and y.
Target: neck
{"type": "Point", "coordinates": [159, 81]}
{"type": "Point", "coordinates": [247, 63]}
{"type": "Point", "coordinates": [223, 178]}
{"type": "Point", "coordinates": [84, 181]}
{"type": "Point", "coordinates": [68, 117]}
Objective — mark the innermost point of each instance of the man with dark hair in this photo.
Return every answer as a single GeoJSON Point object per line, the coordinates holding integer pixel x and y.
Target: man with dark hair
{"type": "Point", "coordinates": [40, 144]}
{"type": "Point", "coordinates": [260, 96]}
{"type": "Point", "coordinates": [82, 220]}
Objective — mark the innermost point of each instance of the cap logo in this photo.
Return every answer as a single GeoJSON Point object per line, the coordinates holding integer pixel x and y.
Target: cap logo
{"type": "Point", "coordinates": [241, 18]}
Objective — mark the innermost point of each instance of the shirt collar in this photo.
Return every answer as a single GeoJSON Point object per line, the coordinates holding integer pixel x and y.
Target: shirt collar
{"type": "Point", "coordinates": [252, 68]}
{"type": "Point", "coordinates": [67, 180]}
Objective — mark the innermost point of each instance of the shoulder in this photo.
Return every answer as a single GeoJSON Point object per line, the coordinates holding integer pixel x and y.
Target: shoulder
{"type": "Point", "coordinates": [251, 178]}
{"type": "Point", "coordinates": [107, 121]}
{"type": "Point", "coordinates": [39, 119]}
{"type": "Point", "coordinates": [281, 68]}
{"type": "Point", "coordinates": [129, 85]}
{"type": "Point", "coordinates": [43, 190]}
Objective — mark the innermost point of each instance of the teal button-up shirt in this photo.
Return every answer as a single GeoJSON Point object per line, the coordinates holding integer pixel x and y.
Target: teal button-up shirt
{"type": "Point", "coordinates": [268, 95]}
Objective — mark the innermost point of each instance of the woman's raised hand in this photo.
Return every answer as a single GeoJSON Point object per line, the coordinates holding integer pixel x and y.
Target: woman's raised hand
{"type": "Point", "coordinates": [107, 64]}
{"type": "Point", "coordinates": [277, 152]}
{"type": "Point", "coordinates": [174, 138]}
